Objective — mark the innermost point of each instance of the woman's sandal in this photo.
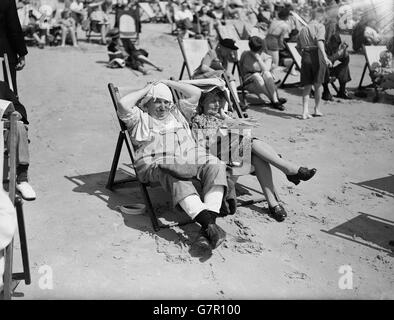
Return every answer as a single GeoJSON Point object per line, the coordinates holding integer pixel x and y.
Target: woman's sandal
{"type": "Point", "coordinates": [303, 174]}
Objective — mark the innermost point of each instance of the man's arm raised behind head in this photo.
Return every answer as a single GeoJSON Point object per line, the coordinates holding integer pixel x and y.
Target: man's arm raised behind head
{"type": "Point", "coordinates": [129, 101]}
{"type": "Point", "coordinates": [128, 111]}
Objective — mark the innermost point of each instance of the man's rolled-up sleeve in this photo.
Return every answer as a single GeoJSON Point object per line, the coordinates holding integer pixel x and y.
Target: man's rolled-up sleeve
{"type": "Point", "coordinates": [131, 117]}
{"type": "Point", "coordinates": [320, 32]}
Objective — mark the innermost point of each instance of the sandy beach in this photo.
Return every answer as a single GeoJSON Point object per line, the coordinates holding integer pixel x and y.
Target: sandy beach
{"type": "Point", "coordinates": [341, 218]}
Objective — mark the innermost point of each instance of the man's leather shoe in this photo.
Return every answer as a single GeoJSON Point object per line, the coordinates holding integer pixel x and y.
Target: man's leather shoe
{"type": "Point", "coordinates": [202, 244]}
{"type": "Point", "coordinates": [216, 235]}
{"type": "Point", "coordinates": [327, 96]}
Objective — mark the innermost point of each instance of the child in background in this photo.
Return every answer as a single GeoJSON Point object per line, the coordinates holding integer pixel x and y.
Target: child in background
{"type": "Point", "coordinates": [67, 24]}
{"type": "Point", "coordinates": [383, 70]}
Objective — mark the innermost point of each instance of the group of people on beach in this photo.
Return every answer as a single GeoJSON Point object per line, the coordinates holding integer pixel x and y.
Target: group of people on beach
{"type": "Point", "coordinates": [153, 116]}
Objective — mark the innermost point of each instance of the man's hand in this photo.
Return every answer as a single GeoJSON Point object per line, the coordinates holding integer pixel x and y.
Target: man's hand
{"type": "Point", "coordinates": [21, 63]}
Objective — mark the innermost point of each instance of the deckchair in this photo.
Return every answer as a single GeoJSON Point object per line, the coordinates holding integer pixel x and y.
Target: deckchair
{"type": "Point", "coordinates": [243, 45]}
{"type": "Point", "coordinates": [372, 54]}
{"type": "Point", "coordinates": [5, 75]}
{"type": "Point", "coordinates": [11, 280]}
{"type": "Point", "coordinates": [129, 25]}
{"type": "Point", "coordinates": [295, 55]}
{"type": "Point", "coordinates": [163, 7]}
{"type": "Point", "coordinates": [192, 51]}
{"type": "Point", "coordinates": [124, 138]}
{"type": "Point", "coordinates": [241, 30]}
{"type": "Point", "coordinates": [147, 12]}
{"type": "Point", "coordinates": [227, 31]}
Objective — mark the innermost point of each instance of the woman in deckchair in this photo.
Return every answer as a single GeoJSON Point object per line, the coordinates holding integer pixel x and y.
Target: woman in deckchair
{"type": "Point", "coordinates": [256, 68]}
{"type": "Point", "coordinates": [210, 115]}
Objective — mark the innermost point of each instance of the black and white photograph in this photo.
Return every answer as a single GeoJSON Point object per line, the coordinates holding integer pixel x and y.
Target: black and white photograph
{"type": "Point", "coordinates": [208, 151]}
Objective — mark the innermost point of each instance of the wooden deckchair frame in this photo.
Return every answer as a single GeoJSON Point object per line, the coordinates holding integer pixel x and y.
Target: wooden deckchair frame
{"type": "Point", "coordinates": [296, 57]}
{"type": "Point", "coordinates": [186, 61]}
{"type": "Point", "coordinates": [186, 65]}
{"type": "Point", "coordinates": [11, 279]}
{"type": "Point", "coordinates": [241, 45]}
{"type": "Point", "coordinates": [368, 65]}
{"type": "Point", "coordinates": [229, 29]}
{"type": "Point", "coordinates": [124, 138]}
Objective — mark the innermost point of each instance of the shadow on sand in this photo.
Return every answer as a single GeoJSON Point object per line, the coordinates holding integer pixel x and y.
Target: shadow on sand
{"type": "Point", "coordinates": [367, 230]}
{"type": "Point", "coordinates": [384, 186]}
{"type": "Point", "coordinates": [94, 184]}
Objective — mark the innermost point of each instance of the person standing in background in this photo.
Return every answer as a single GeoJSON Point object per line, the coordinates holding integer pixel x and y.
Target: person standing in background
{"type": "Point", "coordinates": [336, 50]}
{"type": "Point", "coordinates": [314, 61]}
{"type": "Point", "coordinates": [11, 39]}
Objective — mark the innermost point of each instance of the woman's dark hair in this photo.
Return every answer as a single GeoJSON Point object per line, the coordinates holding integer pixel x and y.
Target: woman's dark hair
{"type": "Point", "coordinates": [204, 95]}
{"type": "Point", "coordinates": [256, 43]}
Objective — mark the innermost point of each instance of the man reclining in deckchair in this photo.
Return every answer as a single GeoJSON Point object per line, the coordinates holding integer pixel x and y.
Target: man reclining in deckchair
{"type": "Point", "coordinates": [167, 153]}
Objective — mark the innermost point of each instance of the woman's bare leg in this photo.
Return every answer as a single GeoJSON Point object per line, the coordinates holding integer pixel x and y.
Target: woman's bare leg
{"type": "Point", "coordinates": [318, 92]}
{"type": "Point", "coordinates": [147, 61]}
{"type": "Point", "coordinates": [259, 87]}
{"type": "Point", "coordinates": [73, 37]}
{"type": "Point", "coordinates": [103, 31]}
{"type": "Point", "coordinates": [143, 70]}
{"type": "Point", "coordinates": [268, 154]}
{"type": "Point", "coordinates": [270, 86]}
{"type": "Point", "coordinates": [64, 35]}
{"type": "Point", "coordinates": [264, 175]}
{"type": "Point", "coordinates": [305, 101]}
